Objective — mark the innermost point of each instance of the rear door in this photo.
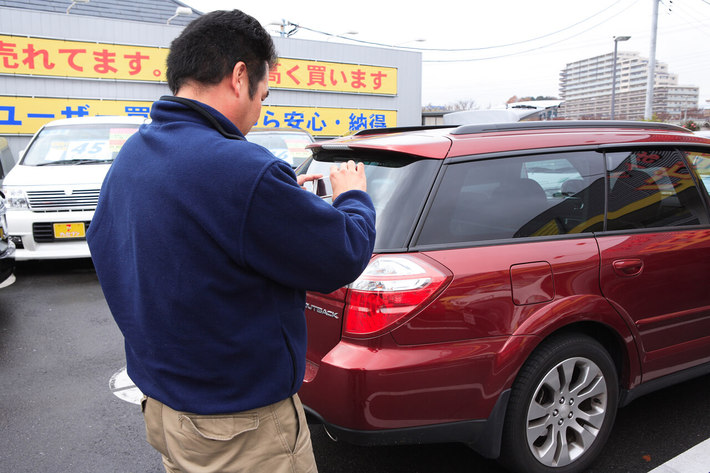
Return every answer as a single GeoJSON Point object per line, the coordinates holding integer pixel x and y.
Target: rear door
{"type": "Point", "coordinates": [655, 255]}
{"type": "Point", "coordinates": [517, 233]}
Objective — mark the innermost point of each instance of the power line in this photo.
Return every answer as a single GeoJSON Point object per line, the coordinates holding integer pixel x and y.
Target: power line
{"type": "Point", "coordinates": [374, 43]}
{"type": "Point", "coordinates": [531, 49]}
{"type": "Point", "coordinates": [692, 19]}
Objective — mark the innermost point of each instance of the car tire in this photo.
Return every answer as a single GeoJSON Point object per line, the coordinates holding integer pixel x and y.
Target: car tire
{"type": "Point", "coordinates": [562, 407]}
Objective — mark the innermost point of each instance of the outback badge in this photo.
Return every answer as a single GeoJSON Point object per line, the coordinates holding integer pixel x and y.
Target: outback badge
{"type": "Point", "coordinates": [319, 310]}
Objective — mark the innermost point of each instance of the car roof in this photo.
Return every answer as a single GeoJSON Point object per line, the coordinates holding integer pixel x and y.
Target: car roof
{"type": "Point", "coordinates": [122, 119]}
{"type": "Point", "coordinates": [451, 141]}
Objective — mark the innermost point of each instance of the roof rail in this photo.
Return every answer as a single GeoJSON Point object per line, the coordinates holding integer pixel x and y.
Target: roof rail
{"type": "Point", "coordinates": [381, 131]}
{"type": "Point", "coordinates": [552, 124]}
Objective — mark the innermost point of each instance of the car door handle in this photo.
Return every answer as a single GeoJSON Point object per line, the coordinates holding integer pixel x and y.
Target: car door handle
{"type": "Point", "coordinates": [628, 267]}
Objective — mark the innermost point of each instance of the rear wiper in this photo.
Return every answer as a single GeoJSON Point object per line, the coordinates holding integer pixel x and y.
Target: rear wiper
{"type": "Point", "coordinates": [75, 161]}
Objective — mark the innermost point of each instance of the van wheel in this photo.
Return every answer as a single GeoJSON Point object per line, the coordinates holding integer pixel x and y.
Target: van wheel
{"type": "Point", "coordinates": [562, 407]}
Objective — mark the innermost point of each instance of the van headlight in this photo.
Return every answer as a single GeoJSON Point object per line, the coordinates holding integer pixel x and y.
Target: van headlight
{"type": "Point", "coordinates": [15, 198]}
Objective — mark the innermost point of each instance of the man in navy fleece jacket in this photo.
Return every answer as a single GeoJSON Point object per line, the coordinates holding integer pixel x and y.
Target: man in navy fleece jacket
{"type": "Point", "coordinates": [205, 244]}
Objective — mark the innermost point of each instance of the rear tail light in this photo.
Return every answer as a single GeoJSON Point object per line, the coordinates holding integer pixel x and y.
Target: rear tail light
{"type": "Point", "coordinates": [390, 289]}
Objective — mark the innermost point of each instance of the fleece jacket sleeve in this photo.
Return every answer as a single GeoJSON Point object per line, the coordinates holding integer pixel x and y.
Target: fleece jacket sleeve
{"type": "Point", "coordinates": [296, 239]}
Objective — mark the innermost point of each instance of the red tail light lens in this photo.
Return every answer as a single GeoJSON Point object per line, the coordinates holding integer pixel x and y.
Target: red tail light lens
{"type": "Point", "coordinates": [390, 288]}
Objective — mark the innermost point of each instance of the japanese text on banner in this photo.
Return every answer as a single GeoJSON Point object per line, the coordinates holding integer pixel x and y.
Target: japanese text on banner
{"type": "Point", "coordinates": [53, 57]}
{"type": "Point", "coordinates": [334, 77]}
{"type": "Point", "coordinates": [25, 115]}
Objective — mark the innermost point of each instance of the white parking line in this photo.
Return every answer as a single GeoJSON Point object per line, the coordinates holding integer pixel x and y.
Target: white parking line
{"type": "Point", "coordinates": [695, 460]}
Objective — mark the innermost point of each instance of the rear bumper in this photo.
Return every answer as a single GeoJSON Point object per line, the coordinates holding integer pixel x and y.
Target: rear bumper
{"type": "Point", "coordinates": [452, 392]}
{"type": "Point", "coordinates": [481, 435]}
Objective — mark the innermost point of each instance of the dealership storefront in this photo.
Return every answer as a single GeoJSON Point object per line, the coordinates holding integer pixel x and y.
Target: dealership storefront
{"type": "Point", "coordinates": [59, 65]}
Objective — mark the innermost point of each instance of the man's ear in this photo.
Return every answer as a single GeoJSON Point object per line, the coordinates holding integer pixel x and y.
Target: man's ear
{"type": "Point", "coordinates": [240, 79]}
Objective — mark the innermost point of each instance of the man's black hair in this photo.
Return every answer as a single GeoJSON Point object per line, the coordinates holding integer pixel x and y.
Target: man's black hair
{"type": "Point", "coordinates": [210, 46]}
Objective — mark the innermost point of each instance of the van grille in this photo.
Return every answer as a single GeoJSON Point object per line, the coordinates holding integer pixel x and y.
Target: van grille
{"type": "Point", "coordinates": [47, 201]}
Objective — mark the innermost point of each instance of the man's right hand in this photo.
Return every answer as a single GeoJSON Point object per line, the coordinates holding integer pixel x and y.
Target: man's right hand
{"type": "Point", "coordinates": [346, 177]}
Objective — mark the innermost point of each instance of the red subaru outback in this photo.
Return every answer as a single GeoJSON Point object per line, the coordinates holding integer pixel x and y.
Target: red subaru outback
{"type": "Point", "coordinates": [528, 279]}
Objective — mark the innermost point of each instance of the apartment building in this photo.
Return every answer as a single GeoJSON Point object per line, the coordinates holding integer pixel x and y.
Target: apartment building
{"type": "Point", "coordinates": [585, 87]}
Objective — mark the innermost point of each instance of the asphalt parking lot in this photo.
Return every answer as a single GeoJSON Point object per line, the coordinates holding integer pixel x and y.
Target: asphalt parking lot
{"type": "Point", "coordinates": [59, 348]}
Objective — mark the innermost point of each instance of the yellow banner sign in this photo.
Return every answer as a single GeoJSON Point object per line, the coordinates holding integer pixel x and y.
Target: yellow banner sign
{"type": "Point", "coordinates": [334, 77]}
{"type": "Point", "coordinates": [53, 57]}
{"type": "Point", "coordinates": [25, 115]}
{"type": "Point", "coordinates": [325, 121]}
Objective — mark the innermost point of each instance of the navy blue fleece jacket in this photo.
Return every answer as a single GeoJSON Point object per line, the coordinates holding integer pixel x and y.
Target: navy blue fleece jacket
{"type": "Point", "coordinates": [204, 247]}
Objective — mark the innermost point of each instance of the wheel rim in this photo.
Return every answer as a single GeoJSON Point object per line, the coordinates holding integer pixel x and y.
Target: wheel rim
{"type": "Point", "coordinates": [567, 412]}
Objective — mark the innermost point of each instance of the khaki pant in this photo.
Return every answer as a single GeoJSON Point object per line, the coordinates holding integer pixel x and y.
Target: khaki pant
{"type": "Point", "coordinates": [270, 439]}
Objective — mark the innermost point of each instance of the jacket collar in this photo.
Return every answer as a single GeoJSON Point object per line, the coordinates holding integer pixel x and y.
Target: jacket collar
{"type": "Point", "coordinates": [169, 108]}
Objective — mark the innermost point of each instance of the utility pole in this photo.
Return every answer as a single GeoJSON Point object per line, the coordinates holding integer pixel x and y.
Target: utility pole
{"type": "Point", "coordinates": [651, 63]}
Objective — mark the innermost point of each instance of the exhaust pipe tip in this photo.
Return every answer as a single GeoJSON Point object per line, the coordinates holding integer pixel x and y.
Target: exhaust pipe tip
{"type": "Point", "coordinates": [329, 434]}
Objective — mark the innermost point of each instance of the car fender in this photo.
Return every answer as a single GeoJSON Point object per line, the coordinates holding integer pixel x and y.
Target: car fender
{"type": "Point", "coordinates": [584, 312]}
{"type": "Point", "coordinates": [578, 312]}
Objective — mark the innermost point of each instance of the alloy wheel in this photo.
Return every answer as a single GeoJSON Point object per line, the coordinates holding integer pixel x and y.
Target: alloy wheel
{"type": "Point", "coordinates": [567, 411]}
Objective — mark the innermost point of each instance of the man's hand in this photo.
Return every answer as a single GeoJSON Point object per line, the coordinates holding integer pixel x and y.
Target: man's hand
{"type": "Point", "coordinates": [348, 176]}
{"type": "Point", "coordinates": [303, 178]}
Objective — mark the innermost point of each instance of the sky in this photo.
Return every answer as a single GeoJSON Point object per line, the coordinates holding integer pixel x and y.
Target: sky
{"type": "Point", "coordinates": [488, 51]}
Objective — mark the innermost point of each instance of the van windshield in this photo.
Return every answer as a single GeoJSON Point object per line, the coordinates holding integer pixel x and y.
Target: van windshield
{"type": "Point", "coordinates": [78, 144]}
{"type": "Point", "coordinates": [291, 147]}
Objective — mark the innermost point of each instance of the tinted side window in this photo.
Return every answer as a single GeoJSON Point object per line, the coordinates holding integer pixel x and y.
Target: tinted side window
{"type": "Point", "coordinates": [651, 189]}
{"type": "Point", "coordinates": [517, 197]}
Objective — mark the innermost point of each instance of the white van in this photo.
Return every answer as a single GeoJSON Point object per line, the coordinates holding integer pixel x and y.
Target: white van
{"type": "Point", "coordinates": [52, 192]}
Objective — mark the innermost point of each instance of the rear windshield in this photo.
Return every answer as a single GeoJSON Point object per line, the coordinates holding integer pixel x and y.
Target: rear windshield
{"type": "Point", "coordinates": [78, 144]}
{"type": "Point", "coordinates": [398, 186]}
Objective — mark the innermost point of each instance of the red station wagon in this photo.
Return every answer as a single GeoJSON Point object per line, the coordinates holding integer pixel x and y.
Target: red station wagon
{"type": "Point", "coordinates": [528, 279]}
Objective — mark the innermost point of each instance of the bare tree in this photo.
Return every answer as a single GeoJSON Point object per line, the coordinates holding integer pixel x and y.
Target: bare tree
{"type": "Point", "coordinates": [459, 105]}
